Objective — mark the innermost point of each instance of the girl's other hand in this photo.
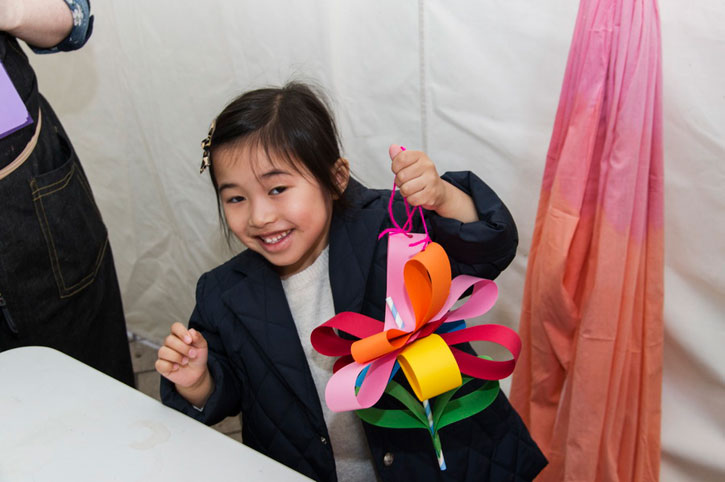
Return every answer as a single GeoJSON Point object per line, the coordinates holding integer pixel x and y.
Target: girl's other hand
{"type": "Point", "coordinates": [417, 178]}
{"type": "Point", "coordinates": [182, 359]}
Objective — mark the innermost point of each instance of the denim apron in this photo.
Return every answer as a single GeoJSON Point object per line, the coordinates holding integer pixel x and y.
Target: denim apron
{"type": "Point", "coordinates": [58, 285]}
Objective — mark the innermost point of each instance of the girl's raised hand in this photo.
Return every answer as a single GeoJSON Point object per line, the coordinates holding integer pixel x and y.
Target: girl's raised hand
{"type": "Point", "coordinates": [420, 184]}
{"type": "Point", "coordinates": [182, 359]}
{"type": "Point", "coordinates": [417, 178]}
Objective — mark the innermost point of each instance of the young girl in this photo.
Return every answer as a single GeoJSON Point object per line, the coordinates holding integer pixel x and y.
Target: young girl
{"type": "Point", "coordinates": [313, 250]}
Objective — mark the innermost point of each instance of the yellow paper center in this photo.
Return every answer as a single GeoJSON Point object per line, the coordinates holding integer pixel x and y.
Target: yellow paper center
{"type": "Point", "coordinates": [430, 367]}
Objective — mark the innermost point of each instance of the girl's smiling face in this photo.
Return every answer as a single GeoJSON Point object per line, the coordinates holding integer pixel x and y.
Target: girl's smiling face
{"type": "Point", "coordinates": [273, 208]}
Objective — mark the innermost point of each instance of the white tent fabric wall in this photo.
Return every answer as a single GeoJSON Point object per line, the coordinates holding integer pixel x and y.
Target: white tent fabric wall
{"type": "Point", "coordinates": [476, 84]}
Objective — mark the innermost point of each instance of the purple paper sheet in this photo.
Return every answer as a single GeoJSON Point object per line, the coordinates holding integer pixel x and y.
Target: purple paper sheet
{"type": "Point", "coordinates": [13, 114]}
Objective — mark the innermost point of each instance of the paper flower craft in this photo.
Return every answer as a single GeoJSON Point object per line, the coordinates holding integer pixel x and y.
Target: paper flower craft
{"type": "Point", "coordinates": [431, 365]}
{"type": "Point", "coordinates": [419, 337]}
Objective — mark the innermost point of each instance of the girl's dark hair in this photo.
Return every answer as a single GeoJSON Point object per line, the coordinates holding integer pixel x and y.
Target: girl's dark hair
{"type": "Point", "coordinates": [290, 122]}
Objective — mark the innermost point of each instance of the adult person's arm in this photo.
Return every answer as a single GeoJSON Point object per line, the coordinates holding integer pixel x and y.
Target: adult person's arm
{"type": "Point", "coordinates": [48, 26]}
{"type": "Point", "coordinates": [41, 23]}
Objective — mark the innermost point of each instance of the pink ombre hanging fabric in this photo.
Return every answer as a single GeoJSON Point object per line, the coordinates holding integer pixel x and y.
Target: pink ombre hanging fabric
{"type": "Point", "coordinates": [588, 382]}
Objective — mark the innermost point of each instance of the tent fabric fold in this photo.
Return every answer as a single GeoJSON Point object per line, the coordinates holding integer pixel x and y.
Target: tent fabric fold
{"type": "Point", "coordinates": [588, 383]}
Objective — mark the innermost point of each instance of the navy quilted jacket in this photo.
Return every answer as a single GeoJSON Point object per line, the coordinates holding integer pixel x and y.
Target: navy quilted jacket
{"type": "Point", "coordinates": [260, 369]}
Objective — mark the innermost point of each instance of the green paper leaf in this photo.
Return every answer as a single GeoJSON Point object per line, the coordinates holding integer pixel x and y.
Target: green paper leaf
{"type": "Point", "coordinates": [414, 417]}
{"type": "Point", "coordinates": [468, 405]}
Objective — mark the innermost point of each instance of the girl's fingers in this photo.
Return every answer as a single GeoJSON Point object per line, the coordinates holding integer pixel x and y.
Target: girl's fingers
{"type": "Point", "coordinates": [178, 350]}
{"type": "Point", "coordinates": [394, 150]}
{"type": "Point", "coordinates": [403, 160]}
{"type": "Point", "coordinates": [421, 199]}
{"type": "Point", "coordinates": [180, 331]}
{"type": "Point", "coordinates": [426, 191]}
{"type": "Point", "coordinates": [407, 167]}
{"type": "Point", "coordinates": [411, 187]}
{"type": "Point", "coordinates": [165, 368]}
{"type": "Point", "coordinates": [174, 343]}
{"type": "Point", "coordinates": [416, 171]}
{"type": "Point", "coordinates": [197, 340]}
{"type": "Point", "coordinates": [173, 356]}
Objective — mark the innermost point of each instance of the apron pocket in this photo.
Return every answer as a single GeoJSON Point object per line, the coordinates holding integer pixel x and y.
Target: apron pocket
{"type": "Point", "coordinates": [72, 226]}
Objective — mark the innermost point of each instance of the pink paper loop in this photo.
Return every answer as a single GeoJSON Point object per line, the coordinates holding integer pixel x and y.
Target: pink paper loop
{"type": "Point", "coordinates": [481, 300]}
{"type": "Point", "coordinates": [340, 393]}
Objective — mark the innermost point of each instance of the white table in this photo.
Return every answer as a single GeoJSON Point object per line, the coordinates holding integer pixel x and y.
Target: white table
{"type": "Point", "coordinates": [63, 420]}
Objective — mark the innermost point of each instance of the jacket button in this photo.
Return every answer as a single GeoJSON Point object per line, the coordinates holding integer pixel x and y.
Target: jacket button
{"type": "Point", "coordinates": [323, 440]}
{"type": "Point", "coordinates": [388, 459]}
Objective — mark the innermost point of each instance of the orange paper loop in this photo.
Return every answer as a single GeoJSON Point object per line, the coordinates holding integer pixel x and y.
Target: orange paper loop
{"type": "Point", "coordinates": [427, 278]}
{"type": "Point", "coordinates": [377, 345]}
